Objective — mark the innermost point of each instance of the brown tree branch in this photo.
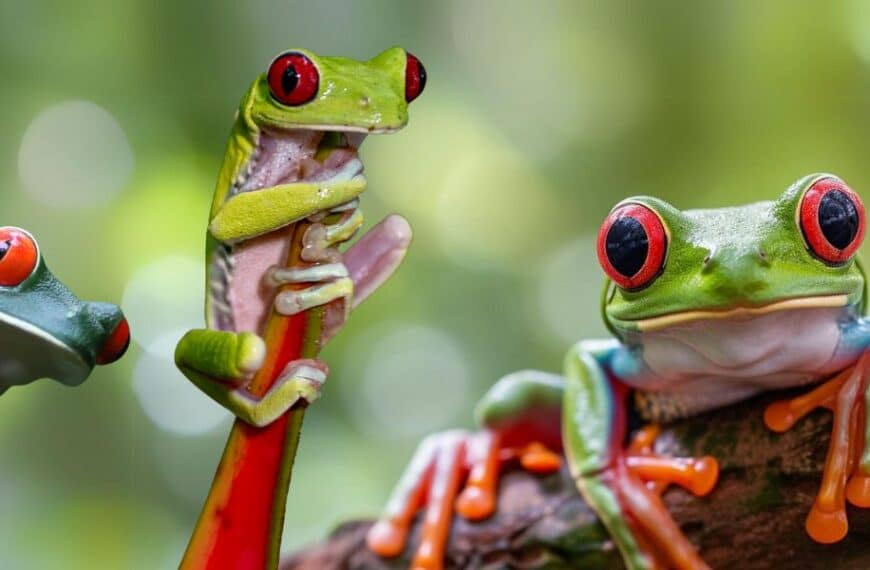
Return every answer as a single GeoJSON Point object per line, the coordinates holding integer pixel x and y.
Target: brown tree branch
{"type": "Point", "coordinates": [753, 519]}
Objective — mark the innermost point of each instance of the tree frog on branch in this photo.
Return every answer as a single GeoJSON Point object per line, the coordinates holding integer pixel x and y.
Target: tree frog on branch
{"type": "Point", "coordinates": [45, 330]}
{"type": "Point", "coordinates": [707, 308]}
{"type": "Point", "coordinates": [293, 155]}
{"type": "Point", "coordinates": [278, 288]}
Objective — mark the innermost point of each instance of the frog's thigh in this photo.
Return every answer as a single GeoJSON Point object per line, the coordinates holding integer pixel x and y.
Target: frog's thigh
{"type": "Point", "coordinates": [221, 355]}
{"type": "Point", "coordinates": [524, 407]}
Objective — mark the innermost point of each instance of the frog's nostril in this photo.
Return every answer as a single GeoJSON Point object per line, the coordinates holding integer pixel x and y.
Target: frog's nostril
{"type": "Point", "coordinates": [116, 344]}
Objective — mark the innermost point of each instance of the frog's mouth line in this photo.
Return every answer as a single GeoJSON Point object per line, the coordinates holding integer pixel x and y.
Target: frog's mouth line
{"type": "Point", "coordinates": [663, 321]}
{"type": "Point", "coordinates": [302, 156]}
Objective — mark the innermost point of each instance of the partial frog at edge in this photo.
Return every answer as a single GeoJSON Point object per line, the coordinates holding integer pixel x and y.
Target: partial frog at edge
{"type": "Point", "coordinates": [45, 330]}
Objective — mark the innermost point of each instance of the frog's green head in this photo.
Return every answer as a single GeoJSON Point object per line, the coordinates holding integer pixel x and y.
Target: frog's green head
{"type": "Point", "coordinates": [45, 330]}
{"type": "Point", "coordinates": [667, 267]}
{"type": "Point", "coordinates": [303, 90]}
{"type": "Point", "coordinates": [305, 117]}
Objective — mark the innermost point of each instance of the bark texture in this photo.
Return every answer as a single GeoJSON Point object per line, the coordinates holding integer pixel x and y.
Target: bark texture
{"type": "Point", "coordinates": [753, 519]}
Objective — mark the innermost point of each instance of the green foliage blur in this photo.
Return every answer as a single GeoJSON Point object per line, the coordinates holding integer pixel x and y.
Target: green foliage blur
{"type": "Point", "coordinates": [537, 118]}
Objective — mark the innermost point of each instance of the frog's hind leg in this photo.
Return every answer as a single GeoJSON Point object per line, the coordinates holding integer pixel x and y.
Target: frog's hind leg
{"type": "Point", "coordinates": [221, 362]}
{"type": "Point", "coordinates": [845, 395]}
{"type": "Point", "coordinates": [432, 478]}
{"type": "Point", "coordinates": [520, 417]}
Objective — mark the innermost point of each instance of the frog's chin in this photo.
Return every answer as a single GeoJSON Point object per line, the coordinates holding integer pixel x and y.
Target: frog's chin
{"type": "Point", "coordinates": [28, 353]}
{"type": "Point", "coordinates": [741, 312]}
{"type": "Point", "coordinates": [290, 156]}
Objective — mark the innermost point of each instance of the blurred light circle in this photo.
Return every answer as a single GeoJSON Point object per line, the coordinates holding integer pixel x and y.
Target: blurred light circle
{"type": "Point", "coordinates": [169, 399]}
{"type": "Point", "coordinates": [568, 292]}
{"type": "Point", "coordinates": [74, 155]}
{"type": "Point", "coordinates": [494, 208]}
{"type": "Point", "coordinates": [415, 380]}
{"type": "Point", "coordinates": [571, 82]}
{"type": "Point", "coordinates": [857, 21]}
{"type": "Point", "coordinates": [163, 295]}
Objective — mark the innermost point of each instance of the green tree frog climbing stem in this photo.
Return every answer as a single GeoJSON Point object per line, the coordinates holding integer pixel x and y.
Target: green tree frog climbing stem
{"type": "Point", "coordinates": [277, 286]}
{"type": "Point", "coordinates": [707, 307]}
{"type": "Point", "coordinates": [45, 330]}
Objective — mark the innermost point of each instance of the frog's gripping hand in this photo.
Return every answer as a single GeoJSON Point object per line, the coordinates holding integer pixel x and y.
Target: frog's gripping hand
{"type": "Point", "coordinates": [219, 363]}
{"type": "Point", "coordinates": [350, 277]}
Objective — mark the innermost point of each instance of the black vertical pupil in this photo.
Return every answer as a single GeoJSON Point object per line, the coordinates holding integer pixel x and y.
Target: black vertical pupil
{"type": "Point", "coordinates": [626, 245]}
{"type": "Point", "coordinates": [838, 218]}
{"type": "Point", "coordinates": [4, 247]}
{"type": "Point", "coordinates": [289, 79]}
{"type": "Point", "coordinates": [421, 73]}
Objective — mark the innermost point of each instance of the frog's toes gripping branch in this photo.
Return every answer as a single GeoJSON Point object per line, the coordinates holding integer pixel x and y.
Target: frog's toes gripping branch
{"type": "Point", "coordinates": [329, 277]}
{"type": "Point", "coordinates": [221, 362]}
{"type": "Point", "coordinates": [847, 466]}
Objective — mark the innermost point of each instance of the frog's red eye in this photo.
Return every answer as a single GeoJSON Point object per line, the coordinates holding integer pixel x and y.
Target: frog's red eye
{"type": "Point", "coordinates": [116, 344]}
{"type": "Point", "coordinates": [293, 79]}
{"type": "Point", "coordinates": [415, 78]}
{"type": "Point", "coordinates": [18, 256]}
{"type": "Point", "coordinates": [631, 246]}
{"type": "Point", "coordinates": [832, 220]}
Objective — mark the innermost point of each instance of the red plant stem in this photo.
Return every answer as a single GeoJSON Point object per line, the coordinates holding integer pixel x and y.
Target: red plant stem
{"type": "Point", "coordinates": [241, 522]}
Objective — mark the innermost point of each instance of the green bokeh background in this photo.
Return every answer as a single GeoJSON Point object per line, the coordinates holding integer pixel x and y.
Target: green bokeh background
{"type": "Point", "coordinates": [538, 116]}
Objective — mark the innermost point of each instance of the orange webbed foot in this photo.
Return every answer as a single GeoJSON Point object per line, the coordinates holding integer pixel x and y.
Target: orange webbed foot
{"type": "Point", "coordinates": [844, 395]}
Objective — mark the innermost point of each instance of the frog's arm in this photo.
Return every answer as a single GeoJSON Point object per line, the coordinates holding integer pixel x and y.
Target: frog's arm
{"type": "Point", "coordinates": [593, 427]}
{"type": "Point", "coordinates": [613, 479]}
{"type": "Point", "coordinates": [217, 362]}
{"type": "Point", "coordinates": [249, 214]}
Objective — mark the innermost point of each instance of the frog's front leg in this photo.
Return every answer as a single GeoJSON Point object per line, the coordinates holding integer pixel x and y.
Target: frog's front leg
{"type": "Point", "coordinates": [220, 362]}
{"type": "Point", "coordinates": [623, 484]}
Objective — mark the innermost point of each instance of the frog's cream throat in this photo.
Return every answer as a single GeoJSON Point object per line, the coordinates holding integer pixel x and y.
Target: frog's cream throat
{"type": "Point", "coordinates": [663, 321]}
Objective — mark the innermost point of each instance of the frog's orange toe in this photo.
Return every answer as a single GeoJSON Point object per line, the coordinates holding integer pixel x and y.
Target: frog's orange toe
{"type": "Point", "coordinates": [387, 538]}
{"type": "Point", "coordinates": [779, 416]}
{"type": "Point", "coordinates": [538, 459]}
{"type": "Point", "coordinates": [827, 527]}
{"type": "Point", "coordinates": [858, 490]}
{"type": "Point", "coordinates": [475, 503]}
{"type": "Point", "coordinates": [705, 474]}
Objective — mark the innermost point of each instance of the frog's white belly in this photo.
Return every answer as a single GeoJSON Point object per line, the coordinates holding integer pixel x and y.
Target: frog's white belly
{"type": "Point", "coordinates": [718, 361]}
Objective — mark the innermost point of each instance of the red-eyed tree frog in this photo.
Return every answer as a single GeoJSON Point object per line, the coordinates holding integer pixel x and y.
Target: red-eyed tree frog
{"type": "Point", "coordinates": [278, 288]}
{"type": "Point", "coordinates": [292, 155]}
{"type": "Point", "coordinates": [45, 330]}
{"type": "Point", "coordinates": [707, 308]}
